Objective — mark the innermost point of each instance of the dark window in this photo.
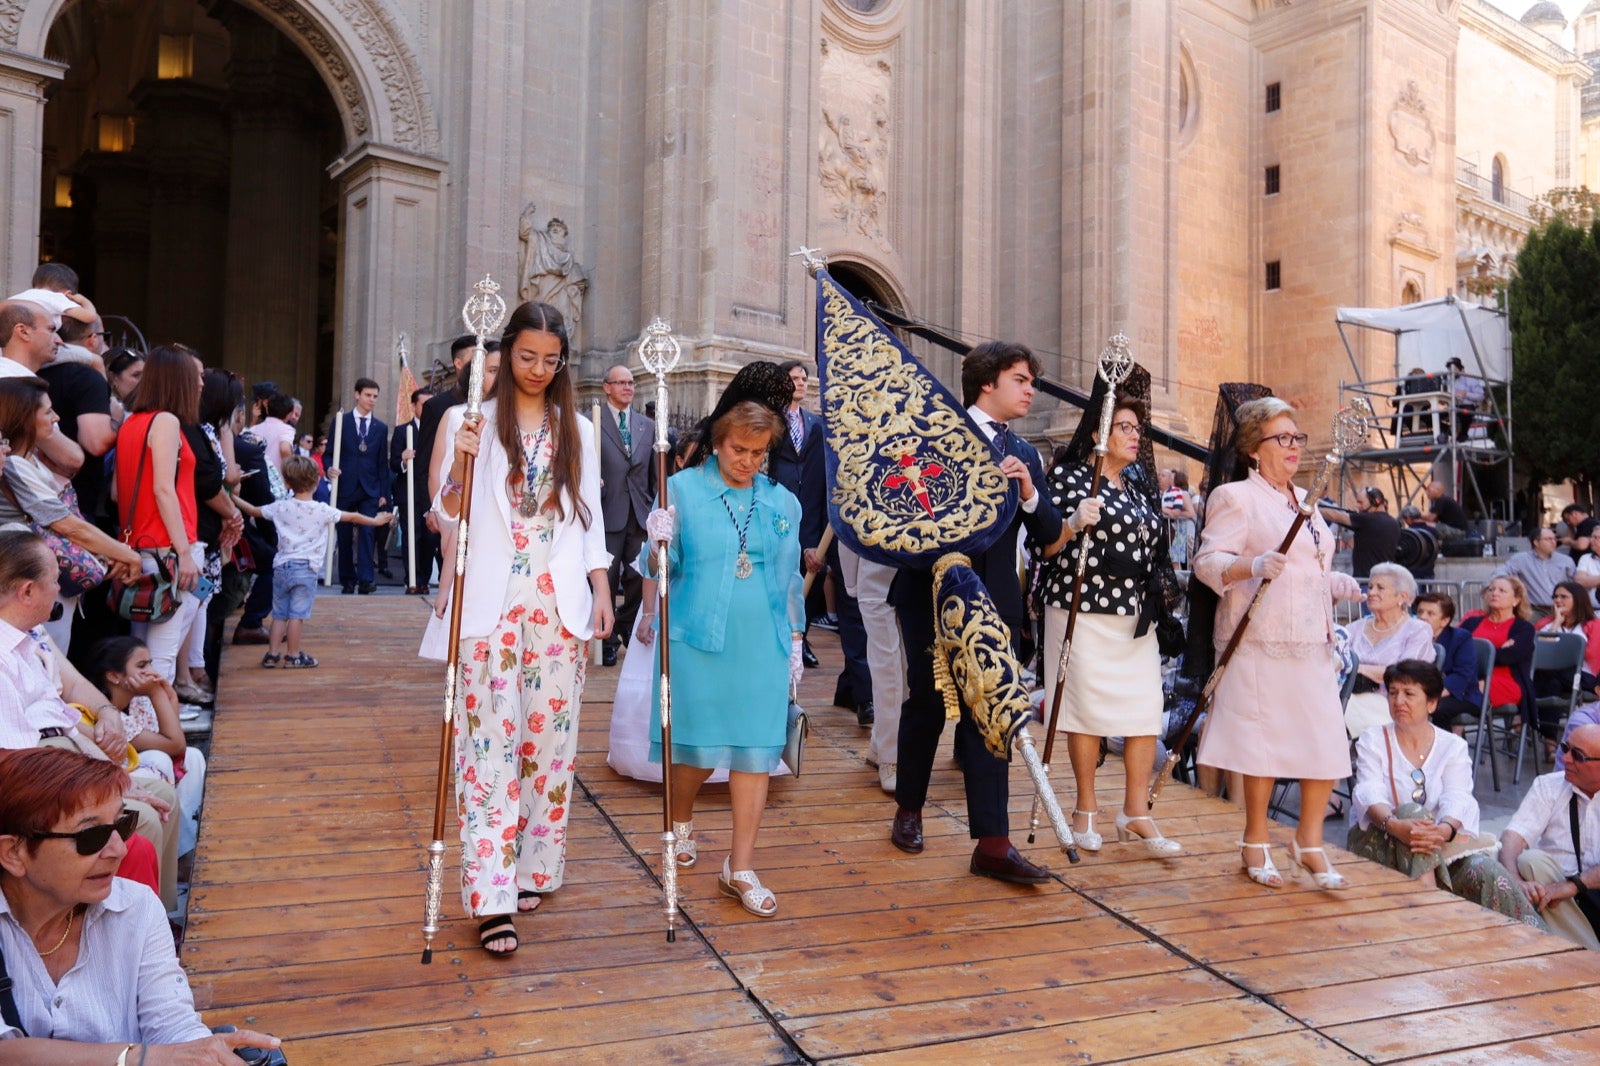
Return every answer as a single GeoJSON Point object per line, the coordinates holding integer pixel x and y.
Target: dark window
{"type": "Point", "coordinates": [1274, 275]}
{"type": "Point", "coordinates": [1274, 96]}
{"type": "Point", "coordinates": [1272, 180]}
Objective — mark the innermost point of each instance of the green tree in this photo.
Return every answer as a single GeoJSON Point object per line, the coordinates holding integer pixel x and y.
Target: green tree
{"type": "Point", "coordinates": [1555, 330]}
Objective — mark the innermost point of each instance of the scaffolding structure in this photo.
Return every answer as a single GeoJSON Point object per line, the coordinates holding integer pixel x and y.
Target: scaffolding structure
{"type": "Point", "coordinates": [1430, 420]}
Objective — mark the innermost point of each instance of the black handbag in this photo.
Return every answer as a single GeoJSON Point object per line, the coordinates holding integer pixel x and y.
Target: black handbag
{"type": "Point", "coordinates": [794, 745]}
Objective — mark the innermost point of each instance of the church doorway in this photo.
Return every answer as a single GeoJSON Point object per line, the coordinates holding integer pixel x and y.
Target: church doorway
{"type": "Point", "coordinates": [185, 178]}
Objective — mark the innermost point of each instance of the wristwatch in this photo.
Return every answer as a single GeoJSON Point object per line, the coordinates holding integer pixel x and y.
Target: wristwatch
{"type": "Point", "coordinates": [1577, 882]}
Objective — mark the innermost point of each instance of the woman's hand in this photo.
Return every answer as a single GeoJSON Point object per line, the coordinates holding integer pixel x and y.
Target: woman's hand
{"type": "Point", "coordinates": [212, 1051]}
{"type": "Point", "coordinates": [1344, 587]}
{"type": "Point", "coordinates": [188, 572]}
{"type": "Point", "coordinates": [468, 439]}
{"type": "Point", "coordinates": [659, 525]}
{"type": "Point", "coordinates": [647, 628]}
{"type": "Point", "coordinates": [1427, 838]}
{"type": "Point", "coordinates": [1268, 565]}
{"type": "Point", "coordinates": [604, 617]}
{"type": "Point", "coordinates": [123, 563]}
{"type": "Point", "coordinates": [1086, 514]}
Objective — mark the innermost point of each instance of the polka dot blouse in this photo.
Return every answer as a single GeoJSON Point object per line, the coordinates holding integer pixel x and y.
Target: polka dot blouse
{"type": "Point", "coordinates": [1124, 542]}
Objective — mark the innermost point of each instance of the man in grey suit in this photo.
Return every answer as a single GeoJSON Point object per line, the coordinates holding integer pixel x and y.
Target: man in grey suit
{"type": "Point", "coordinates": [627, 493]}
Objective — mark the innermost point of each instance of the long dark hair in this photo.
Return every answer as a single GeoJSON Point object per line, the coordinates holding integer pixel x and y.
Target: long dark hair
{"type": "Point", "coordinates": [170, 383]}
{"type": "Point", "coordinates": [111, 656]}
{"type": "Point", "coordinates": [566, 466]}
{"type": "Point", "coordinates": [20, 400]}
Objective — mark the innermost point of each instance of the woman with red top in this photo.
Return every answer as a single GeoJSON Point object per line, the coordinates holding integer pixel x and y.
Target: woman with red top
{"type": "Point", "coordinates": [155, 490]}
{"type": "Point", "coordinates": [1505, 625]}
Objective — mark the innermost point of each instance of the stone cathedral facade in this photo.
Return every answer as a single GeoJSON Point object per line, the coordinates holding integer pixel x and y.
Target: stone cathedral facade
{"type": "Point", "coordinates": [290, 185]}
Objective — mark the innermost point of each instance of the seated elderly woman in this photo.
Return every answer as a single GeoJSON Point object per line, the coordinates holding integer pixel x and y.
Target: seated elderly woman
{"type": "Point", "coordinates": [1383, 638]}
{"type": "Point", "coordinates": [1413, 810]}
{"type": "Point", "coordinates": [95, 975]}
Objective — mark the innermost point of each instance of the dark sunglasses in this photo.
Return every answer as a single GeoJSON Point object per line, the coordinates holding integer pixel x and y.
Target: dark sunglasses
{"type": "Point", "coordinates": [1577, 756]}
{"type": "Point", "coordinates": [93, 840]}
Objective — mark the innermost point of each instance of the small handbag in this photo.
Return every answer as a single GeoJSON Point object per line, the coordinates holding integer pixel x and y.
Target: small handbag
{"type": "Point", "coordinates": [80, 570]}
{"type": "Point", "coordinates": [794, 745]}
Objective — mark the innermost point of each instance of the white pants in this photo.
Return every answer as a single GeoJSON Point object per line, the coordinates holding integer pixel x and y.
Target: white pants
{"type": "Point", "coordinates": [165, 639]}
{"type": "Point", "coordinates": [191, 790]}
{"type": "Point", "coordinates": [869, 583]}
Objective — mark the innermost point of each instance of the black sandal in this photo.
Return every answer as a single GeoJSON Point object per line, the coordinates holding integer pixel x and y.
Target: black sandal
{"type": "Point", "coordinates": [498, 927]}
{"type": "Point", "coordinates": [524, 896]}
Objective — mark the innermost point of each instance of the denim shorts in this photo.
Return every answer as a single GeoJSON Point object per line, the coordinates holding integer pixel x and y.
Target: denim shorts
{"type": "Point", "coordinates": [294, 586]}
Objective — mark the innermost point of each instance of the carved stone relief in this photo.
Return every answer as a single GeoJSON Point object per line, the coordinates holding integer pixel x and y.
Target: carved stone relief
{"type": "Point", "coordinates": [1411, 129]}
{"type": "Point", "coordinates": [854, 142]}
{"type": "Point", "coordinates": [10, 20]}
{"type": "Point", "coordinates": [547, 270]}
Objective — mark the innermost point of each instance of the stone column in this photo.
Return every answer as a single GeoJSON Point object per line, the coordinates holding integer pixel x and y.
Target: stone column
{"type": "Point", "coordinates": [275, 186]}
{"type": "Point", "coordinates": [120, 185]}
{"type": "Point", "coordinates": [23, 80]}
{"type": "Point", "coordinates": [388, 268]}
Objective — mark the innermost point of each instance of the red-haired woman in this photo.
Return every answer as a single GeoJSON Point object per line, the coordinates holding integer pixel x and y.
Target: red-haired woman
{"type": "Point", "coordinates": [155, 490]}
{"type": "Point", "coordinates": [536, 590]}
{"type": "Point", "coordinates": [89, 954]}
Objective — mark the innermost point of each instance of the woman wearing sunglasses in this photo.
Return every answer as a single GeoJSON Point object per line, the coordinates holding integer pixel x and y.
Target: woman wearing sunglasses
{"type": "Point", "coordinates": [90, 955]}
{"type": "Point", "coordinates": [1413, 808]}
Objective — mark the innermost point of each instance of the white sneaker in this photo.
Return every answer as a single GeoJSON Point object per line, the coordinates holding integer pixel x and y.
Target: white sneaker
{"type": "Point", "coordinates": [886, 777]}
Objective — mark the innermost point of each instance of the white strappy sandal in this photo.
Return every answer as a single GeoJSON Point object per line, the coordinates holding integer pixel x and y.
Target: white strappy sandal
{"type": "Point", "coordinates": [1329, 879]}
{"type": "Point", "coordinates": [1266, 874]}
{"type": "Point", "coordinates": [1086, 839]}
{"type": "Point", "coordinates": [685, 852]}
{"type": "Point", "coordinates": [757, 899]}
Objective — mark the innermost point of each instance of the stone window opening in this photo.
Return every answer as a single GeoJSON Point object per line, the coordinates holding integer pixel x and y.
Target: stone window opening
{"type": "Point", "coordinates": [1497, 179]}
{"type": "Point", "coordinates": [1274, 96]}
{"type": "Point", "coordinates": [1274, 275]}
{"type": "Point", "coordinates": [1272, 180]}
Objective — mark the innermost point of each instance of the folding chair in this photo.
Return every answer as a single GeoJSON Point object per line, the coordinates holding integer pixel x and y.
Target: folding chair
{"type": "Point", "coordinates": [1560, 654]}
{"type": "Point", "coordinates": [1488, 716]}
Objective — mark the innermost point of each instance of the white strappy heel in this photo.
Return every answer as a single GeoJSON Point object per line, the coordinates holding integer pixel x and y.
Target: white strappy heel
{"type": "Point", "coordinates": [1156, 845]}
{"type": "Point", "coordinates": [1265, 874]}
{"type": "Point", "coordinates": [1087, 839]}
{"type": "Point", "coordinates": [1330, 878]}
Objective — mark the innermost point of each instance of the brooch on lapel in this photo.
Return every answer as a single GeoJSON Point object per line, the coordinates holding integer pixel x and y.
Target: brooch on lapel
{"type": "Point", "coordinates": [780, 525]}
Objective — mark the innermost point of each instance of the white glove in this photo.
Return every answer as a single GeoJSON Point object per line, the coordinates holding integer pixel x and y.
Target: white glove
{"type": "Point", "coordinates": [659, 525]}
{"type": "Point", "coordinates": [1345, 587]}
{"type": "Point", "coordinates": [796, 667]}
{"type": "Point", "coordinates": [1268, 565]}
{"type": "Point", "coordinates": [1086, 514]}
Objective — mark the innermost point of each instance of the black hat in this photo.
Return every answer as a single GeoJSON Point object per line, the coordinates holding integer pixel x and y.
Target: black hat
{"type": "Point", "coordinates": [1455, 361]}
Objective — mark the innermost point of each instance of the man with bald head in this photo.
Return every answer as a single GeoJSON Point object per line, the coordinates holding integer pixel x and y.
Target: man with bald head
{"type": "Point", "coordinates": [28, 341]}
{"type": "Point", "coordinates": [627, 493]}
{"type": "Point", "coordinates": [1552, 844]}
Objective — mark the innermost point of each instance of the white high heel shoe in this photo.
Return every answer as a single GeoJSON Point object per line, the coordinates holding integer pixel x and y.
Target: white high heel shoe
{"type": "Point", "coordinates": [1156, 845]}
{"type": "Point", "coordinates": [1087, 839]}
{"type": "Point", "coordinates": [1265, 874]}
{"type": "Point", "coordinates": [1329, 879]}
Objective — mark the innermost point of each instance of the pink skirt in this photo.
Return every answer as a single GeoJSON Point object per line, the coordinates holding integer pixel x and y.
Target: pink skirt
{"type": "Point", "coordinates": [1278, 717]}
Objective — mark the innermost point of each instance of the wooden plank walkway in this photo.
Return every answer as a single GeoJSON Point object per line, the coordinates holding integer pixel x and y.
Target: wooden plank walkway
{"type": "Point", "coordinates": [305, 916]}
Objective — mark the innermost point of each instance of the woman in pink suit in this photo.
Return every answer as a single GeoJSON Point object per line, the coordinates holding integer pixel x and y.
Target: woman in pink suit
{"type": "Point", "coordinates": [1276, 711]}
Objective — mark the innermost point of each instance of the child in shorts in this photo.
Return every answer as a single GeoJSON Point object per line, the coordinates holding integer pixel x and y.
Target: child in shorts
{"type": "Point", "coordinates": [303, 526]}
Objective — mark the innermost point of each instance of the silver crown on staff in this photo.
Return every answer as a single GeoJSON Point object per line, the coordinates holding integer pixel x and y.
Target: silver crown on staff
{"type": "Point", "coordinates": [1116, 360]}
{"type": "Point", "coordinates": [658, 348]}
{"type": "Point", "coordinates": [1350, 426]}
{"type": "Point", "coordinates": [485, 309]}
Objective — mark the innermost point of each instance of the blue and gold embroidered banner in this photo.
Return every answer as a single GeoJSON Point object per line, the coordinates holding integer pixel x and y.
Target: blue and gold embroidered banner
{"type": "Point", "coordinates": [911, 477]}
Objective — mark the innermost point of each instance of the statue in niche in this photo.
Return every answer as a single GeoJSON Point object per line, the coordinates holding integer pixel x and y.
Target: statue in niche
{"type": "Point", "coordinates": [853, 164]}
{"type": "Point", "coordinates": [548, 271]}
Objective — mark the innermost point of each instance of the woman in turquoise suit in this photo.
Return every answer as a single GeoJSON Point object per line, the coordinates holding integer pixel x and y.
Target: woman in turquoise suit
{"type": "Point", "coordinates": [736, 623]}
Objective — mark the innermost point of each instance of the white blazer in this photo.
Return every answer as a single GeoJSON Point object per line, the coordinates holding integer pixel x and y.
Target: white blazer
{"type": "Point", "coordinates": [574, 550]}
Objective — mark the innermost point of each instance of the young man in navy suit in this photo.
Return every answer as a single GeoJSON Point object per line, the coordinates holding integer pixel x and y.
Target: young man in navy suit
{"type": "Point", "coordinates": [360, 464]}
{"type": "Point", "coordinates": [997, 386]}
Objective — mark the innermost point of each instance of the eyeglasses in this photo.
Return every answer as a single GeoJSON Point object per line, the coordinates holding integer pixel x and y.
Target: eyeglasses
{"type": "Point", "coordinates": [93, 840]}
{"type": "Point", "coordinates": [552, 364]}
{"type": "Point", "coordinates": [628, 383]}
{"type": "Point", "coordinates": [1127, 429]}
{"type": "Point", "coordinates": [1419, 794]}
{"type": "Point", "coordinates": [1577, 756]}
{"type": "Point", "coordinates": [1289, 440]}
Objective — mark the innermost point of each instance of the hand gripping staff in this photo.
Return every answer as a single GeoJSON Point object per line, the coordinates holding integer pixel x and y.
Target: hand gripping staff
{"type": "Point", "coordinates": [483, 313]}
{"type": "Point", "coordinates": [1116, 362]}
{"type": "Point", "coordinates": [659, 351]}
{"type": "Point", "coordinates": [1349, 432]}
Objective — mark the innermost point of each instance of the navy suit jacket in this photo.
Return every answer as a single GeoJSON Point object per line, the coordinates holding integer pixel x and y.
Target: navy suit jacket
{"type": "Point", "coordinates": [1460, 666]}
{"type": "Point", "coordinates": [363, 475]}
{"type": "Point", "coordinates": [803, 473]}
{"type": "Point", "coordinates": [996, 565]}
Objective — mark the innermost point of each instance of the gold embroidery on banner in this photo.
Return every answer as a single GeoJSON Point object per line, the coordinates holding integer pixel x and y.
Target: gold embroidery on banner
{"type": "Point", "coordinates": [972, 658]}
{"type": "Point", "coordinates": [913, 476]}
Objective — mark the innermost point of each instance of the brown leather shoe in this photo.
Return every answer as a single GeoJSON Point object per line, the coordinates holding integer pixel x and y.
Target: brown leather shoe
{"type": "Point", "coordinates": [258, 635]}
{"type": "Point", "coordinates": [1013, 868]}
{"type": "Point", "coordinates": [906, 834]}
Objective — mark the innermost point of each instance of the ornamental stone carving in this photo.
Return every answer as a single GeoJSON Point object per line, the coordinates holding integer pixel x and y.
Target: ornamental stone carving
{"type": "Point", "coordinates": [548, 271]}
{"type": "Point", "coordinates": [1411, 129]}
{"type": "Point", "coordinates": [10, 20]}
{"type": "Point", "coordinates": [854, 140]}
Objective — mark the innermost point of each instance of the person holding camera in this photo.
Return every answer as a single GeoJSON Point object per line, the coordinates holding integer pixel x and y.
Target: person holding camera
{"type": "Point", "coordinates": [89, 956]}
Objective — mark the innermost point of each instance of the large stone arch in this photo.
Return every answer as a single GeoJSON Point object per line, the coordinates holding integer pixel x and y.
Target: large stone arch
{"type": "Point", "coordinates": [356, 45]}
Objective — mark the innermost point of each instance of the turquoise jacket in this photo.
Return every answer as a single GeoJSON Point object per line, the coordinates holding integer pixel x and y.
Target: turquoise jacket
{"type": "Point", "coordinates": [705, 549]}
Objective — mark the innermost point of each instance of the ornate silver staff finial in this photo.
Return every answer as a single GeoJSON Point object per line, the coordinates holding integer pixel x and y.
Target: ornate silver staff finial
{"type": "Point", "coordinates": [811, 258]}
{"type": "Point", "coordinates": [1350, 426]}
{"type": "Point", "coordinates": [484, 310]}
{"type": "Point", "coordinates": [401, 349]}
{"type": "Point", "coordinates": [658, 348]}
{"type": "Point", "coordinates": [1116, 360]}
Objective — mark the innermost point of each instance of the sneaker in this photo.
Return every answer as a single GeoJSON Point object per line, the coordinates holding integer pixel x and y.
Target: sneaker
{"type": "Point", "coordinates": [299, 662]}
{"type": "Point", "coordinates": [829, 622]}
{"type": "Point", "coordinates": [886, 777]}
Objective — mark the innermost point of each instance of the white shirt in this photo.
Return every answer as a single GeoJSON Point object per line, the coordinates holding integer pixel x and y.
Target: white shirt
{"type": "Point", "coordinates": [1447, 773]}
{"type": "Point", "coordinates": [1590, 564]}
{"type": "Point", "coordinates": [30, 689]}
{"type": "Point", "coordinates": [988, 424]}
{"type": "Point", "coordinates": [302, 529]}
{"type": "Point", "coordinates": [125, 988]}
{"type": "Point", "coordinates": [1543, 822]}
{"type": "Point", "coordinates": [55, 304]}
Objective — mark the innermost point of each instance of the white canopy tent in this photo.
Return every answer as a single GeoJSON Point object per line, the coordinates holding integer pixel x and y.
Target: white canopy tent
{"type": "Point", "coordinates": [1431, 333]}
